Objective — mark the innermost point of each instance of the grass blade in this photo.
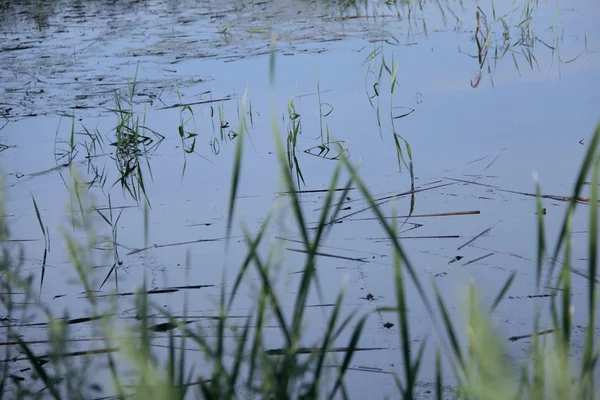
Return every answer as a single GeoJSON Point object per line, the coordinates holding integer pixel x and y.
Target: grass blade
{"type": "Point", "coordinates": [503, 291]}
{"type": "Point", "coordinates": [39, 370]}
{"type": "Point", "coordinates": [348, 357]}
{"type": "Point", "coordinates": [237, 167]}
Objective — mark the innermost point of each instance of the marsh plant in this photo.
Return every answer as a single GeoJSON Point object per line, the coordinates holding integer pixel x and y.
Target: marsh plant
{"type": "Point", "coordinates": [134, 143]}
{"type": "Point", "coordinates": [381, 77]}
{"type": "Point", "coordinates": [294, 131]}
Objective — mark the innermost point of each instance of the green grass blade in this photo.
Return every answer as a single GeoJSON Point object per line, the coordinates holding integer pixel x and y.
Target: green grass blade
{"type": "Point", "coordinates": [268, 287]}
{"type": "Point", "coordinates": [352, 344]}
{"type": "Point", "coordinates": [503, 291]}
{"type": "Point", "coordinates": [327, 340]}
{"type": "Point", "coordinates": [450, 330]}
{"type": "Point", "coordinates": [587, 370]}
{"type": "Point", "coordinates": [583, 171]}
{"type": "Point", "coordinates": [39, 370]}
{"type": "Point", "coordinates": [237, 168]}
{"type": "Point", "coordinates": [402, 312]}
{"type": "Point", "coordinates": [39, 217]}
{"type": "Point", "coordinates": [257, 342]}
{"type": "Point", "coordinates": [390, 234]}
{"type": "Point", "coordinates": [239, 358]}
{"type": "Point", "coordinates": [439, 383]}
{"type": "Point", "coordinates": [541, 243]}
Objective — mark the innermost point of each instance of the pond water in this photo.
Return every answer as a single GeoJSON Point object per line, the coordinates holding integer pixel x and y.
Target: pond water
{"type": "Point", "coordinates": [484, 97]}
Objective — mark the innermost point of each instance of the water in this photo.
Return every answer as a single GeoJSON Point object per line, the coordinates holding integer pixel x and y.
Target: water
{"type": "Point", "coordinates": [67, 58]}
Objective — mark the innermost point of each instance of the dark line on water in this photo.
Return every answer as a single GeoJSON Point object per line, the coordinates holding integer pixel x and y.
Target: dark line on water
{"type": "Point", "coordinates": [478, 259]}
{"type": "Point", "coordinates": [363, 369]}
{"type": "Point", "coordinates": [156, 246]}
{"type": "Point", "coordinates": [159, 291]}
{"type": "Point", "coordinates": [490, 164]}
{"type": "Point", "coordinates": [329, 255]}
{"type": "Point", "coordinates": [479, 159]}
{"type": "Point", "coordinates": [194, 103]}
{"type": "Point", "coordinates": [515, 338]}
{"type": "Point", "coordinates": [316, 191]}
{"type": "Point", "coordinates": [382, 239]}
{"type": "Point", "coordinates": [448, 214]}
{"type": "Point", "coordinates": [71, 354]}
{"type": "Point", "coordinates": [320, 305]}
{"type": "Point", "coordinates": [311, 350]}
{"type": "Point", "coordinates": [475, 238]}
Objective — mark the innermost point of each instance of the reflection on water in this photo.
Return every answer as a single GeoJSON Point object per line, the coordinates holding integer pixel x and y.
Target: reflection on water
{"type": "Point", "coordinates": [447, 109]}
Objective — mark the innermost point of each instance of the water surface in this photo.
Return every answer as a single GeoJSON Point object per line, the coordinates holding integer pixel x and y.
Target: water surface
{"type": "Point", "coordinates": [528, 107]}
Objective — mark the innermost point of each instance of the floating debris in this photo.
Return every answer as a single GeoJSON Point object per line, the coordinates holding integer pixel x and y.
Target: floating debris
{"type": "Point", "coordinates": [515, 338]}
{"type": "Point", "coordinates": [166, 326]}
{"type": "Point", "coordinates": [455, 259]}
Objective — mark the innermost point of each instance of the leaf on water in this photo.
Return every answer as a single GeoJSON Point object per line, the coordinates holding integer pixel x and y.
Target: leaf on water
{"type": "Point", "coordinates": [39, 217]}
{"type": "Point", "coordinates": [394, 77]}
{"type": "Point", "coordinates": [475, 81]}
{"type": "Point", "coordinates": [326, 114]}
{"type": "Point", "coordinates": [82, 320]}
{"type": "Point", "coordinates": [406, 114]}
